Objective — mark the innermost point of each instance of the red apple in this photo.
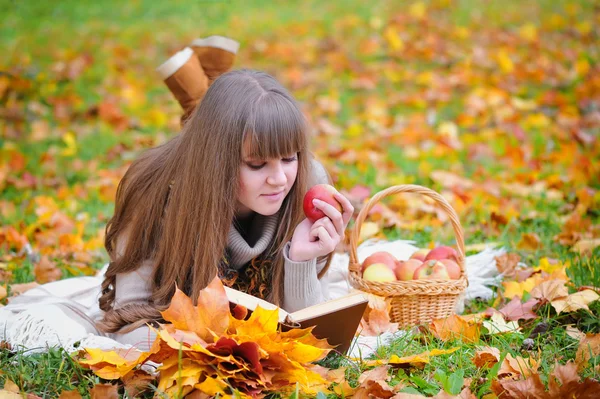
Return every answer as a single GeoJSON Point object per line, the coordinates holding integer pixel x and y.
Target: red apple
{"type": "Point", "coordinates": [442, 252]}
{"type": "Point", "coordinates": [323, 192]}
{"type": "Point", "coordinates": [432, 270]}
{"type": "Point", "coordinates": [420, 254]}
{"type": "Point", "coordinates": [453, 268]}
{"type": "Point", "coordinates": [379, 272]}
{"type": "Point", "coordinates": [405, 270]}
{"type": "Point", "coordinates": [379, 257]}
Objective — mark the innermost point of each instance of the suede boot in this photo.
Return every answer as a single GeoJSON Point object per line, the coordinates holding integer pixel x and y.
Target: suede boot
{"type": "Point", "coordinates": [216, 54]}
{"type": "Point", "coordinates": [185, 78]}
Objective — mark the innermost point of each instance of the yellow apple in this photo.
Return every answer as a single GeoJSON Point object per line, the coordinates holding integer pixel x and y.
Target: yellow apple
{"type": "Point", "coordinates": [379, 272]}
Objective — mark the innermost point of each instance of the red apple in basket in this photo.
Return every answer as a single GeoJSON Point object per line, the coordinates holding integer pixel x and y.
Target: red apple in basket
{"type": "Point", "coordinates": [420, 254]}
{"type": "Point", "coordinates": [453, 268]}
{"type": "Point", "coordinates": [379, 272]}
{"type": "Point", "coordinates": [323, 192]}
{"type": "Point", "coordinates": [432, 270]}
{"type": "Point", "coordinates": [379, 257]}
{"type": "Point", "coordinates": [405, 270]}
{"type": "Point", "coordinates": [442, 252]}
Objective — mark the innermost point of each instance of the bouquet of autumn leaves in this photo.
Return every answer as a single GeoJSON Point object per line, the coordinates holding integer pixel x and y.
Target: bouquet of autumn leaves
{"type": "Point", "coordinates": [211, 349]}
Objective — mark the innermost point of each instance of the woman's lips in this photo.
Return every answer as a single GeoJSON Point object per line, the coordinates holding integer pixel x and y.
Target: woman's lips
{"type": "Point", "coordinates": [273, 197]}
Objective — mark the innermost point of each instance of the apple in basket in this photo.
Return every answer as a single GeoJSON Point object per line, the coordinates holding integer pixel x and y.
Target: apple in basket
{"type": "Point", "coordinates": [405, 270]}
{"type": "Point", "coordinates": [420, 254]}
{"type": "Point", "coordinates": [379, 272]}
{"type": "Point", "coordinates": [442, 252]}
{"type": "Point", "coordinates": [453, 268]}
{"type": "Point", "coordinates": [323, 192]}
{"type": "Point", "coordinates": [379, 257]}
{"type": "Point", "coordinates": [432, 270]}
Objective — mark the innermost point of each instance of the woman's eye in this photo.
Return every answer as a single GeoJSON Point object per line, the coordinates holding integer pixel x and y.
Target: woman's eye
{"type": "Point", "coordinates": [256, 167]}
{"type": "Point", "coordinates": [291, 159]}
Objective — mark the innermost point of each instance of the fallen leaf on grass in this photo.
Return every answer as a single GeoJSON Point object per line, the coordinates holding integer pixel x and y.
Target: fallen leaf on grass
{"type": "Point", "coordinates": [563, 382]}
{"type": "Point", "coordinates": [574, 302]}
{"type": "Point", "coordinates": [507, 264]}
{"type": "Point", "coordinates": [10, 386]}
{"type": "Point", "coordinates": [46, 271]}
{"type": "Point", "coordinates": [376, 319]}
{"type": "Point", "coordinates": [18, 289]}
{"type": "Point", "coordinates": [419, 360]}
{"type": "Point", "coordinates": [486, 357]}
{"type": "Point", "coordinates": [70, 395]}
{"type": "Point", "coordinates": [574, 333]}
{"type": "Point", "coordinates": [550, 290]}
{"type": "Point", "coordinates": [518, 288]}
{"type": "Point", "coordinates": [530, 241]}
{"type": "Point", "coordinates": [497, 325]}
{"type": "Point", "coordinates": [514, 367]}
{"type": "Point", "coordinates": [516, 310]}
{"type": "Point", "coordinates": [104, 391]}
{"type": "Point", "coordinates": [373, 384]}
{"type": "Point", "coordinates": [455, 327]}
{"type": "Point", "coordinates": [589, 346]}
{"type": "Point", "coordinates": [585, 247]}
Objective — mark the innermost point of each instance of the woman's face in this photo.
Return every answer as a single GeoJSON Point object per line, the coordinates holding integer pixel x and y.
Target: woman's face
{"type": "Point", "coordinates": [264, 184]}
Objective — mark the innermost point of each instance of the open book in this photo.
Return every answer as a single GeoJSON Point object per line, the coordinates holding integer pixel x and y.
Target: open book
{"type": "Point", "coordinates": [336, 320]}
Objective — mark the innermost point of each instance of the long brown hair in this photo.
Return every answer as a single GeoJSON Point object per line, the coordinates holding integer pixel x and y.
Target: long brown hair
{"type": "Point", "coordinates": [176, 203]}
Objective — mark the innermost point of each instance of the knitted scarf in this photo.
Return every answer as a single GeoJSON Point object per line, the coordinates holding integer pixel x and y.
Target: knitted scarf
{"type": "Point", "coordinates": [254, 278]}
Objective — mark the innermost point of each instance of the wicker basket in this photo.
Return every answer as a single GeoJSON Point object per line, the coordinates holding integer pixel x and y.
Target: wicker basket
{"type": "Point", "coordinates": [416, 301]}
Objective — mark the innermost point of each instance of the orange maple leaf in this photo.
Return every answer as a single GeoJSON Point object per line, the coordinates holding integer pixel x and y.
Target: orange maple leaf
{"type": "Point", "coordinates": [455, 327]}
{"type": "Point", "coordinates": [210, 316]}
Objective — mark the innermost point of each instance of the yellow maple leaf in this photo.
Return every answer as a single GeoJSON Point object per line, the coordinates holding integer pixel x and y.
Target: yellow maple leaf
{"type": "Point", "coordinates": [419, 360]}
{"type": "Point", "coordinates": [393, 38]}
{"type": "Point", "coordinates": [504, 62]}
{"type": "Point", "coordinates": [516, 288]}
{"type": "Point", "coordinates": [70, 145]}
{"type": "Point", "coordinates": [418, 10]}
{"type": "Point", "coordinates": [528, 32]}
{"type": "Point", "coordinates": [576, 301]}
{"type": "Point", "coordinates": [114, 364]}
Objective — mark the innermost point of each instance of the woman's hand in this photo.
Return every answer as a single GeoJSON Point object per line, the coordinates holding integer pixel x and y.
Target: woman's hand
{"type": "Point", "coordinates": [311, 240]}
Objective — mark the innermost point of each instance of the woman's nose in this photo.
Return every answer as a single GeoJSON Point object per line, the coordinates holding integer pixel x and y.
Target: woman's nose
{"type": "Point", "coordinates": [277, 175]}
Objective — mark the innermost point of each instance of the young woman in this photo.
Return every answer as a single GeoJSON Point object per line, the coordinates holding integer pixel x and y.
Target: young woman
{"type": "Point", "coordinates": [224, 197]}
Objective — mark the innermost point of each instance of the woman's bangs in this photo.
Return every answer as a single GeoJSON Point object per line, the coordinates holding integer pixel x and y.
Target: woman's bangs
{"type": "Point", "coordinates": [275, 130]}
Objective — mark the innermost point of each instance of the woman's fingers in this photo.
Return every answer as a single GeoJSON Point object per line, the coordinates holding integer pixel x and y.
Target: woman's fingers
{"type": "Point", "coordinates": [332, 213]}
{"type": "Point", "coordinates": [348, 209]}
{"type": "Point", "coordinates": [325, 240]}
{"type": "Point", "coordinates": [328, 224]}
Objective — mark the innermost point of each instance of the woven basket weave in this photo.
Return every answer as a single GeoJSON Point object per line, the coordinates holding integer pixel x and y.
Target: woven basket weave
{"type": "Point", "coordinates": [416, 301]}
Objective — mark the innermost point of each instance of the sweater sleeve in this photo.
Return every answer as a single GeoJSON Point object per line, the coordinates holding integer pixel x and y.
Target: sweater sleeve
{"type": "Point", "coordinates": [302, 288]}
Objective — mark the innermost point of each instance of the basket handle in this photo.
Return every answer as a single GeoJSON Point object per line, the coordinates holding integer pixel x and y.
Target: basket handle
{"type": "Point", "coordinates": [407, 188]}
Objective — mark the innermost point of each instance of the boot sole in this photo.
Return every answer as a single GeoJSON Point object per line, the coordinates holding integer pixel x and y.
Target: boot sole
{"type": "Point", "coordinates": [170, 66]}
{"type": "Point", "coordinates": [222, 42]}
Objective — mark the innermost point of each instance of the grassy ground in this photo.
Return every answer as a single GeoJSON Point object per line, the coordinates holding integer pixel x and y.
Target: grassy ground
{"type": "Point", "coordinates": [394, 95]}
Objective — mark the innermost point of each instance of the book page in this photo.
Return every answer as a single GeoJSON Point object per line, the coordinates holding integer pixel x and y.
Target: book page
{"type": "Point", "coordinates": [251, 302]}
